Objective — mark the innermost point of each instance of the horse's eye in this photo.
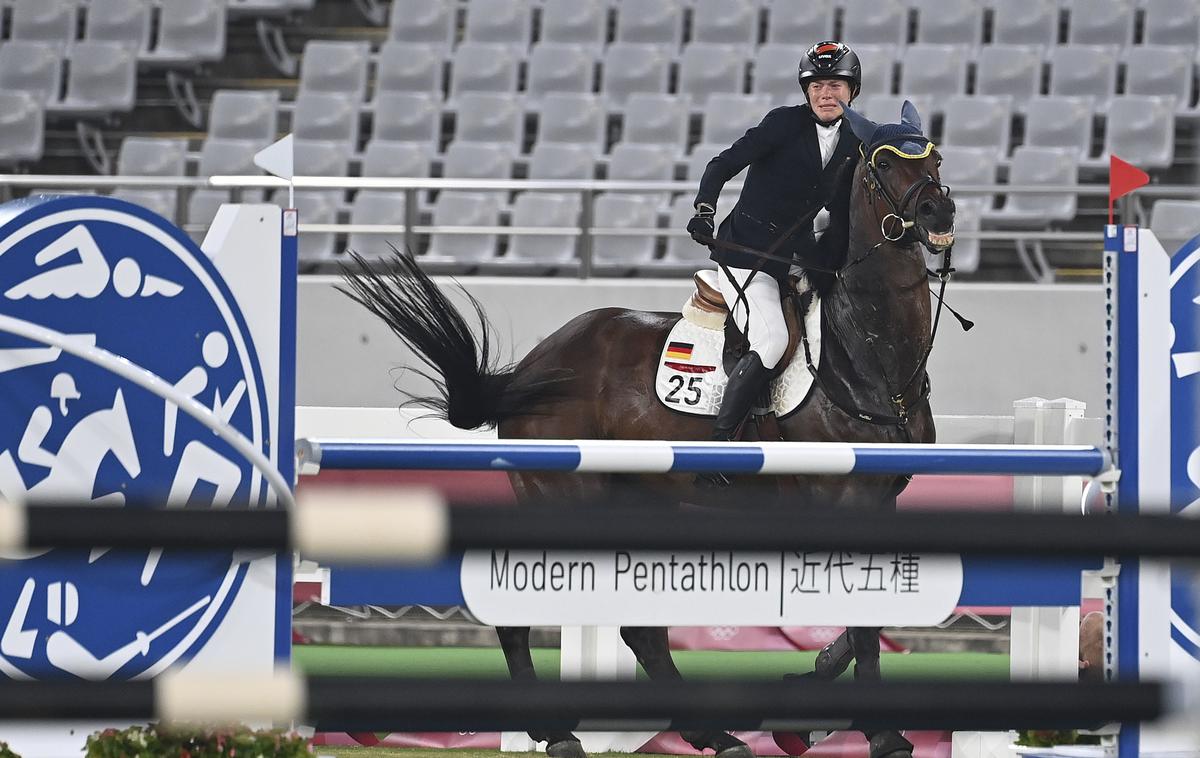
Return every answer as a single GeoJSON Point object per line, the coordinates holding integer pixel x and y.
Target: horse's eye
{"type": "Point", "coordinates": [884, 165]}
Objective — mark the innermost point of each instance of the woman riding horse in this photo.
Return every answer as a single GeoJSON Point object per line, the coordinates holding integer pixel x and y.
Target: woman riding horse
{"type": "Point", "coordinates": [594, 378]}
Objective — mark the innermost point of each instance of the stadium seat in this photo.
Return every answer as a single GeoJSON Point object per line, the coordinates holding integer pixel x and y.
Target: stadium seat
{"type": "Point", "coordinates": [1025, 22]}
{"type": "Point", "coordinates": [979, 121]}
{"type": "Point", "coordinates": [1012, 70]}
{"type": "Point", "coordinates": [484, 67]}
{"type": "Point", "coordinates": [326, 116]}
{"type": "Point", "coordinates": [152, 156]}
{"type": "Point", "coordinates": [874, 22]}
{"type": "Point", "coordinates": [31, 67]}
{"type": "Point", "coordinates": [1175, 222]}
{"type": "Point", "coordinates": [1172, 22]}
{"type": "Point", "coordinates": [656, 22]}
{"type": "Point", "coordinates": [1038, 166]}
{"type": "Point", "coordinates": [559, 67]}
{"type": "Point", "coordinates": [488, 117]}
{"type": "Point", "coordinates": [1140, 129]}
{"type": "Point", "coordinates": [943, 23]}
{"type": "Point", "coordinates": [407, 117]}
{"type": "Point", "coordinates": [398, 159]}
{"type": "Point", "coordinates": [392, 159]}
{"type": "Point", "coordinates": [698, 159]}
{"type": "Point", "coordinates": [506, 21]}
{"type": "Point", "coordinates": [219, 156]}
{"type": "Point", "coordinates": [315, 207]}
{"type": "Point", "coordinates": [774, 73]}
{"type": "Point", "coordinates": [572, 117]}
{"type": "Point", "coordinates": [561, 160]}
{"type": "Point", "coordinates": [455, 208]}
{"type": "Point", "coordinates": [22, 127]}
{"type": "Point", "coordinates": [49, 21]}
{"type": "Point", "coordinates": [878, 68]}
{"type": "Point", "coordinates": [1087, 70]}
{"type": "Point", "coordinates": [630, 68]}
{"type": "Point", "coordinates": [189, 31]}
{"type": "Point", "coordinates": [727, 116]}
{"type": "Point", "coordinates": [126, 21]}
{"type": "Point", "coordinates": [725, 22]}
{"type": "Point", "coordinates": [642, 163]}
{"type": "Point", "coordinates": [409, 67]}
{"type": "Point", "coordinates": [544, 209]}
{"type": "Point", "coordinates": [478, 160]}
{"type": "Point", "coordinates": [706, 69]}
{"type": "Point", "coordinates": [680, 247]}
{"type": "Point", "coordinates": [1157, 70]}
{"type": "Point", "coordinates": [1100, 22]}
{"type": "Point", "coordinates": [966, 253]}
{"type": "Point", "coordinates": [101, 79]}
{"type": "Point", "coordinates": [244, 114]}
{"type": "Point", "coordinates": [430, 22]}
{"type": "Point", "coordinates": [656, 120]}
{"type": "Point", "coordinates": [315, 157]}
{"type": "Point", "coordinates": [793, 23]}
{"type": "Point", "coordinates": [1064, 122]}
{"type": "Point", "coordinates": [935, 70]}
{"type": "Point", "coordinates": [622, 211]}
{"type": "Point", "coordinates": [886, 108]}
{"type": "Point", "coordinates": [968, 165]}
{"type": "Point", "coordinates": [583, 23]}
{"type": "Point", "coordinates": [335, 66]}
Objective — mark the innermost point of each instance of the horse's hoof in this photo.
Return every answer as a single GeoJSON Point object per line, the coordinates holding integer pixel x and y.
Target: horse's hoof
{"type": "Point", "coordinates": [566, 749]}
{"type": "Point", "coordinates": [890, 745]}
{"type": "Point", "coordinates": [737, 751]}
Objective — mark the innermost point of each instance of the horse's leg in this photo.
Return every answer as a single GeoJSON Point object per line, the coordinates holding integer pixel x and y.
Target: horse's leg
{"type": "Point", "coordinates": [649, 645]}
{"type": "Point", "coordinates": [514, 640]}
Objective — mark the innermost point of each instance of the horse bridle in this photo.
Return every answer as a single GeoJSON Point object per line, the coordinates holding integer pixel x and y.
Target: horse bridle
{"type": "Point", "coordinates": [875, 186]}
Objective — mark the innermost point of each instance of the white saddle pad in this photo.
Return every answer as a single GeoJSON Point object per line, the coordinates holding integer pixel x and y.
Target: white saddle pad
{"type": "Point", "coordinates": [691, 379]}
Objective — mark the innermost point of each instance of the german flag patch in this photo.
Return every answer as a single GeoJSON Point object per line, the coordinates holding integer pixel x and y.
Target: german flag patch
{"type": "Point", "coordinates": [679, 351]}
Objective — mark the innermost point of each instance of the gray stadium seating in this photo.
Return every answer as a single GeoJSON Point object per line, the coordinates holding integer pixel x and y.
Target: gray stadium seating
{"type": "Point", "coordinates": [478, 160]}
{"type": "Point", "coordinates": [1141, 129]}
{"type": "Point", "coordinates": [506, 21]}
{"type": "Point", "coordinates": [883, 108]}
{"type": "Point", "coordinates": [22, 127]}
{"type": "Point", "coordinates": [727, 117]}
{"type": "Point", "coordinates": [189, 31]}
{"type": "Point", "coordinates": [544, 209]}
{"type": "Point", "coordinates": [315, 207]}
{"type": "Point", "coordinates": [407, 117]}
{"type": "Point", "coordinates": [630, 68]}
{"type": "Point", "coordinates": [326, 116]}
{"type": "Point", "coordinates": [1065, 122]}
{"type": "Point", "coordinates": [583, 23]}
{"type": "Point", "coordinates": [936, 70]}
{"type": "Point", "coordinates": [101, 79]}
{"type": "Point", "coordinates": [152, 156]}
{"type": "Point", "coordinates": [1038, 166]}
{"type": "Point", "coordinates": [624, 211]}
{"type": "Point", "coordinates": [484, 67]}
{"type": "Point", "coordinates": [49, 21]}
{"type": "Point", "coordinates": [126, 21]}
{"type": "Point", "coordinates": [559, 67]}
{"type": "Point", "coordinates": [244, 114]}
{"type": "Point", "coordinates": [219, 156]}
{"type": "Point", "coordinates": [385, 158]}
{"type": "Point", "coordinates": [409, 67]}
{"type": "Point", "coordinates": [398, 159]}
{"type": "Point", "coordinates": [32, 67]}
{"type": "Point", "coordinates": [792, 23]}
{"type": "Point", "coordinates": [706, 69]}
{"type": "Point", "coordinates": [423, 21]}
{"type": "Point", "coordinates": [725, 22]}
{"type": "Point", "coordinates": [657, 22]}
{"type": "Point", "coordinates": [1100, 22]}
{"type": "Point", "coordinates": [1156, 70]}
{"type": "Point", "coordinates": [572, 117]}
{"type": "Point", "coordinates": [488, 117]}
{"type": "Point", "coordinates": [656, 120]}
{"type": "Point", "coordinates": [315, 157]}
{"type": "Point", "coordinates": [979, 121]}
{"type": "Point", "coordinates": [774, 73]}
{"type": "Point", "coordinates": [455, 208]}
{"type": "Point", "coordinates": [878, 68]}
{"type": "Point", "coordinates": [562, 160]}
{"type": "Point", "coordinates": [1175, 222]}
{"type": "Point", "coordinates": [1025, 22]}
{"type": "Point", "coordinates": [642, 163]}
{"type": "Point", "coordinates": [1172, 22]}
{"type": "Point", "coordinates": [968, 165]}
{"type": "Point", "coordinates": [877, 22]}
{"type": "Point", "coordinates": [966, 253]}
{"type": "Point", "coordinates": [943, 23]}
{"type": "Point", "coordinates": [682, 248]}
{"type": "Point", "coordinates": [1088, 70]}
{"type": "Point", "coordinates": [1013, 70]}
{"type": "Point", "coordinates": [335, 66]}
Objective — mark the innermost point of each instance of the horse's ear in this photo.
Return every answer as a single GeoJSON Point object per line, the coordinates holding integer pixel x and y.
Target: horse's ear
{"type": "Point", "coordinates": [910, 116]}
{"type": "Point", "coordinates": [863, 127]}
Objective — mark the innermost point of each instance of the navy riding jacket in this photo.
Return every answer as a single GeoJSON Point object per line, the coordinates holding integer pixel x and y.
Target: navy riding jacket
{"type": "Point", "coordinates": [785, 180]}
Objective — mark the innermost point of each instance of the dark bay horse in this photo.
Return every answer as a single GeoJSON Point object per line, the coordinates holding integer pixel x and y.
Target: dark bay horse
{"type": "Point", "coordinates": [594, 379]}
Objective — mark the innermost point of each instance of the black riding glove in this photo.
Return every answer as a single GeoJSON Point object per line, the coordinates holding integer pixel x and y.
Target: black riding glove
{"type": "Point", "coordinates": [702, 227]}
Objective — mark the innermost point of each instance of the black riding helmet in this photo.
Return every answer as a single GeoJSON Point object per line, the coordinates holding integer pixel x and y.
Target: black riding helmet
{"type": "Point", "coordinates": [831, 60]}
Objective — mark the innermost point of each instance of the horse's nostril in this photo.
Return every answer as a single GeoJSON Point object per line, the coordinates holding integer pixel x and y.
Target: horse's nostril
{"type": "Point", "coordinates": [926, 208]}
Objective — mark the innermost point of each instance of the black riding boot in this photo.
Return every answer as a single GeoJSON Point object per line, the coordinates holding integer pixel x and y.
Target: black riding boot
{"type": "Point", "coordinates": [745, 382]}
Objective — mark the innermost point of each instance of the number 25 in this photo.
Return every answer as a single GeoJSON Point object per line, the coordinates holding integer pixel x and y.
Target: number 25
{"type": "Point", "coordinates": [693, 387]}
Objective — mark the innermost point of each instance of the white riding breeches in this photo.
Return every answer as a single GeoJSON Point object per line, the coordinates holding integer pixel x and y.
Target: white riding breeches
{"type": "Point", "coordinates": [763, 325]}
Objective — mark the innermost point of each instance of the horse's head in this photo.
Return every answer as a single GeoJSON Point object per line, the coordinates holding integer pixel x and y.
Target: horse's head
{"type": "Point", "coordinates": [899, 171]}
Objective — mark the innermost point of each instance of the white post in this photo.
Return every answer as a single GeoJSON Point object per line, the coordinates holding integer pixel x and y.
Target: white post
{"type": "Point", "coordinates": [1045, 641]}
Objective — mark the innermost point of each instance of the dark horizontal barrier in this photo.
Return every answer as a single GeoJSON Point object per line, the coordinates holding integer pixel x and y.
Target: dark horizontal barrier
{"type": "Point", "coordinates": [388, 703]}
{"type": "Point", "coordinates": [594, 528]}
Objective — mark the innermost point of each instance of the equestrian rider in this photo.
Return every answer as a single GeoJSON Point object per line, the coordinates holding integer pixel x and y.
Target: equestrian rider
{"type": "Point", "coordinates": [794, 156]}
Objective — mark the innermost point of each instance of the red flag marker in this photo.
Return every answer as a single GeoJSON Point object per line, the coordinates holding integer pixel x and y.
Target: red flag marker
{"type": "Point", "coordinates": [1123, 178]}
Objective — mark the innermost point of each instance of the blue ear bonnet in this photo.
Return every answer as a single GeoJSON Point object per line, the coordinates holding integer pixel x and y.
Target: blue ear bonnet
{"type": "Point", "coordinates": [905, 138]}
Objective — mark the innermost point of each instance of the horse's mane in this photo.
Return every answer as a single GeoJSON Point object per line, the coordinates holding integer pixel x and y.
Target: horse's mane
{"type": "Point", "coordinates": [832, 249]}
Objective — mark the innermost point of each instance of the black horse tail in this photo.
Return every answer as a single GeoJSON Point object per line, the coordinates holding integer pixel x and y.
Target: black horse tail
{"type": "Point", "coordinates": [472, 390]}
